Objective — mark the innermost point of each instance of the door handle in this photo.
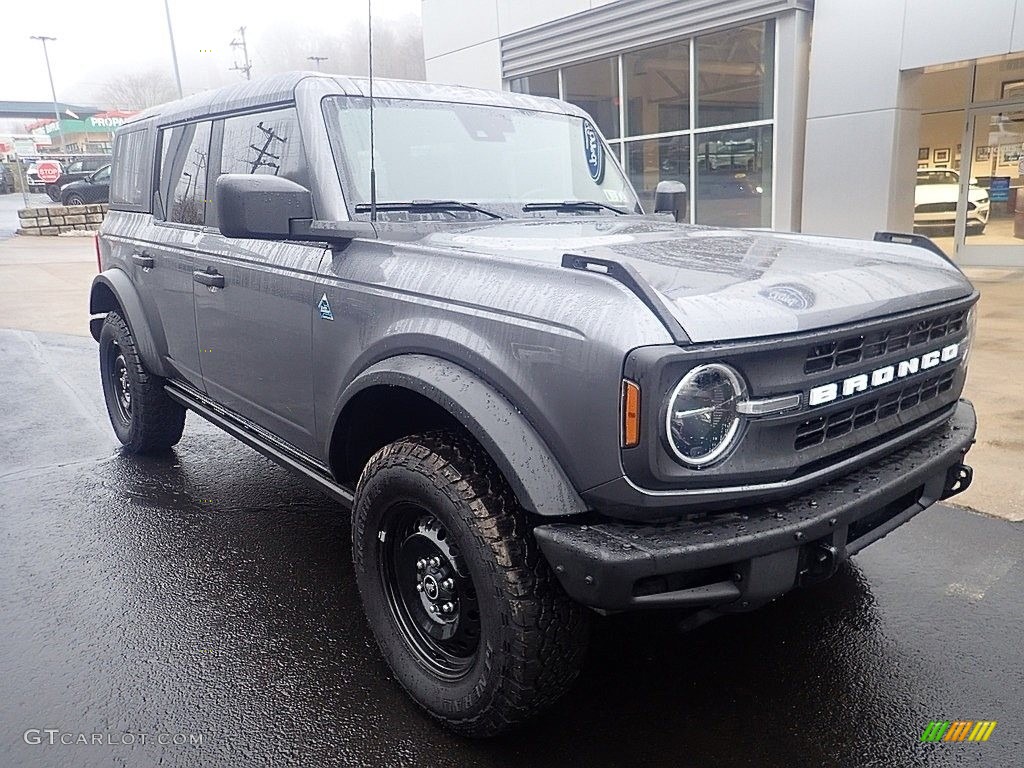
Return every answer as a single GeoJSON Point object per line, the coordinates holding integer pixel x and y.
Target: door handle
{"type": "Point", "coordinates": [142, 260]}
{"type": "Point", "coordinates": [212, 279]}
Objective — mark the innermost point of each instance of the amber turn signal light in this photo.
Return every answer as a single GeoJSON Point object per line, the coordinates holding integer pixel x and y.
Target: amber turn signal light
{"type": "Point", "coordinates": [630, 414]}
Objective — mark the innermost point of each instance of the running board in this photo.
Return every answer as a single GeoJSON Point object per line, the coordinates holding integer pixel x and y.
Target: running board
{"type": "Point", "coordinates": [279, 454]}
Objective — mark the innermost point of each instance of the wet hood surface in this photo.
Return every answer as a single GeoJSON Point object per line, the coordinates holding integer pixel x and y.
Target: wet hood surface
{"type": "Point", "coordinates": [724, 284]}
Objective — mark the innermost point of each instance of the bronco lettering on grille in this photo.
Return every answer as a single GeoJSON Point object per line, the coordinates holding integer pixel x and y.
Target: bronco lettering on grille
{"type": "Point", "coordinates": [862, 382]}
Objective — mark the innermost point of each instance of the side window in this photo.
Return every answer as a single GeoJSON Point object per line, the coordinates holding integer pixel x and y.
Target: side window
{"type": "Point", "coordinates": [130, 170]}
{"type": "Point", "coordinates": [186, 151]}
{"type": "Point", "coordinates": [102, 175]}
{"type": "Point", "coordinates": [266, 142]}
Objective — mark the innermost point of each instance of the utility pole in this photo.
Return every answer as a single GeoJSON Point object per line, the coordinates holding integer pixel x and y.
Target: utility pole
{"type": "Point", "coordinates": [317, 59]}
{"type": "Point", "coordinates": [236, 43]}
{"type": "Point", "coordinates": [174, 51]}
{"type": "Point", "coordinates": [53, 91]}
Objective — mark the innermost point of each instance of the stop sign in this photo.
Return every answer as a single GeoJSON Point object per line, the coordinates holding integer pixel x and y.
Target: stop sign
{"type": "Point", "coordinates": [48, 171]}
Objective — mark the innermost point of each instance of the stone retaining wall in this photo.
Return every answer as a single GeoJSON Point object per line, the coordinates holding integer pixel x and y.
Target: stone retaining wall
{"type": "Point", "coordinates": [58, 219]}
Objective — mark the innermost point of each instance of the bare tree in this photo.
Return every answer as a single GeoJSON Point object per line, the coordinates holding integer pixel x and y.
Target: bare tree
{"type": "Point", "coordinates": [138, 90]}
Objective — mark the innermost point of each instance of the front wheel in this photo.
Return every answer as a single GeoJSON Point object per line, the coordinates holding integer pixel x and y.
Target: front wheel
{"type": "Point", "coordinates": [464, 608]}
{"type": "Point", "coordinates": [144, 417]}
{"type": "Point", "coordinates": [74, 199]}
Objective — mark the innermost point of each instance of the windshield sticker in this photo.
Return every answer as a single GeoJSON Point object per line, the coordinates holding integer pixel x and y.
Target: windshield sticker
{"type": "Point", "coordinates": [594, 152]}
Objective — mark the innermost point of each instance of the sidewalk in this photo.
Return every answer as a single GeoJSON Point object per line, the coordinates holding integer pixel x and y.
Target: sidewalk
{"type": "Point", "coordinates": [44, 286]}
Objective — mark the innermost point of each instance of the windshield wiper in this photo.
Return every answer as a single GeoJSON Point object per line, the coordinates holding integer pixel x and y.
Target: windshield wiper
{"type": "Point", "coordinates": [428, 206]}
{"type": "Point", "coordinates": [573, 205]}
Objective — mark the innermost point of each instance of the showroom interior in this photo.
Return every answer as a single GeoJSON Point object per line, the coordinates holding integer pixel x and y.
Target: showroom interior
{"type": "Point", "coordinates": [819, 116]}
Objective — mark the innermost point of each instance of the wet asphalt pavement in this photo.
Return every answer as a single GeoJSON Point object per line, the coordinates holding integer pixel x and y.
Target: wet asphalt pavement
{"type": "Point", "coordinates": [210, 593]}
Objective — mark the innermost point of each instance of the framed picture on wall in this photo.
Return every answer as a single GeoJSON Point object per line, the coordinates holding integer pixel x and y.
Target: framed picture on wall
{"type": "Point", "coordinates": [922, 166]}
{"type": "Point", "coordinates": [923, 153]}
{"type": "Point", "coordinates": [1009, 154]}
{"type": "Point", "coordinates": [1013, 89]}
{"type": "Point", "coordinates": [981, 154]}
{"type": "Point", "coordinates": [941, 155]}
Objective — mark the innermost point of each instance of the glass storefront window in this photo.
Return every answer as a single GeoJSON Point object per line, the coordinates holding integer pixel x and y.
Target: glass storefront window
{"type": "Point", "coordinates": [657, 85]}
{"type": "Point", "coordinates": [653, 160]}
{"type": "Point", "coordinates": [594, 86]}
{"type": "Point", "coordinates": [540, 84]}
{"type": "Point", "coordinates": [734, 177]}
{"type": "Point", "coordinates": [735, 75]}
{"type": "Point", "coordinates": [1000, 80]}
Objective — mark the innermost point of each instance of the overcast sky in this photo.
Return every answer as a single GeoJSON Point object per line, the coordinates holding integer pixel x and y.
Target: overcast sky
{"type": "Point", "coordinates": [98, 39]}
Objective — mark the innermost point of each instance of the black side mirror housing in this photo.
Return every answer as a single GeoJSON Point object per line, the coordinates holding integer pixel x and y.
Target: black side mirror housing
{"type": "Point", "coordinates": [260, 206]}
{"type": "Point", "coordinates": [670, 197]}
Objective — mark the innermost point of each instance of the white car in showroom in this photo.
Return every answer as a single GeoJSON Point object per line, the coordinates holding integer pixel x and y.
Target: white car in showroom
{"type": "Point", "coordinates": [935, 201]}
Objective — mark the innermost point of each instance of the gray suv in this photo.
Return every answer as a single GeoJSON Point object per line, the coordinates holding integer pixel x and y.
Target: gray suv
{"type": "Point", "coordinates": [537, 401]}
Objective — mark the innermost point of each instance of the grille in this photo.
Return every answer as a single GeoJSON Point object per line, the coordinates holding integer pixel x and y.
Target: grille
{"type": "Point", "coordinates": [855, 349]}
{"type": "Point", "coordinates": [935, 208]}
{"type": "Point", "coordinates": [818, 430]}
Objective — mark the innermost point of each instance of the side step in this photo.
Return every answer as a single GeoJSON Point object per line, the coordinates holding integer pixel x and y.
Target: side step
{"type": "Point", "coordinates": [278, 453]}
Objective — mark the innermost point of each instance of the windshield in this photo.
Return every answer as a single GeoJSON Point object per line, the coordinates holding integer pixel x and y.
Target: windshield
{"type": "Point", "coordinates": [938, 177]}
{"type": "Point", "coordinates": [499, 158]}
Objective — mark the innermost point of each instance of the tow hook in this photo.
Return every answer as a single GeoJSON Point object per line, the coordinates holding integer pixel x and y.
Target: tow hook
{"type": "Point", "coordinates": [958, 480]}
{"type": "Point", "coordinates": [822, 561]}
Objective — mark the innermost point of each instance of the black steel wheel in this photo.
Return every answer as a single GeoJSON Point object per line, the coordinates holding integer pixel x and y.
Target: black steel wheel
{"type": "Point", "coordinates": [463, 606]}
{"type": "Point", "coordinates": [429, 591]}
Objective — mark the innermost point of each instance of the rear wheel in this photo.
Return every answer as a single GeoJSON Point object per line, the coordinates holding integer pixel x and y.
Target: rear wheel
{"type": "Point", "coordinates": [463, 606]}
{"type": "Point", "coordinates": [144, 417]}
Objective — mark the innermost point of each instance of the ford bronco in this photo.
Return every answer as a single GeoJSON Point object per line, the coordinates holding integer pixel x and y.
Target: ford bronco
{"type": "Point", "coordinates": [538, 401]}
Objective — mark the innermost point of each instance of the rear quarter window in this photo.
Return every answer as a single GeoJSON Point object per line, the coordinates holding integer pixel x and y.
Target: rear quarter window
{"type": "Point", "coordinates": [130, 177]}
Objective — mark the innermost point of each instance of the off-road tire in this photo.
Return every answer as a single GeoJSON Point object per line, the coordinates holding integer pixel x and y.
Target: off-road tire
{"type": "Point", "coordinates": [532, 638]}
{"type": "Point", "coordinates": [154, 421]}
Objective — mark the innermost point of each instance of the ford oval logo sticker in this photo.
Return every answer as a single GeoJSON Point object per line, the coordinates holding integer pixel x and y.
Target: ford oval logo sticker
{"type": "Point", "coordinates": [790, 295]}
{"type": "Point", "coordinates": [594, 150]}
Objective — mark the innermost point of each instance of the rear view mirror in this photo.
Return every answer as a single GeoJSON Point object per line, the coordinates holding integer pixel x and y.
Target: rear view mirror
{"type": "Point", "coordinates": [260, 206]}
{"type": "Point", "coordinates": [670, 197]}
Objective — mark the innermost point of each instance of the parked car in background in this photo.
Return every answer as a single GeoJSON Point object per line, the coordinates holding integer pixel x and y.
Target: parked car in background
{"type": "Point", "coordinates": [95, 189]}
{"type": "Point", "coordinates": [35, 184]}
{"type": "Point", "coordinates": [6, 180]}
{"type": "Point", "coordinates": [83, 168]}
{"type": "Point", "coordinates": [935, 199]}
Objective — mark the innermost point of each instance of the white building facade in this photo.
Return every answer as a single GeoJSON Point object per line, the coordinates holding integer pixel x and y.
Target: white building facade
{"type": "Point", "coordinates": [841, 117]}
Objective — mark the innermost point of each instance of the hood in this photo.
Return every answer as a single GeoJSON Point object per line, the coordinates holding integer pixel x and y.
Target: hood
{"type": "Point", "coordinates": [726, 284]}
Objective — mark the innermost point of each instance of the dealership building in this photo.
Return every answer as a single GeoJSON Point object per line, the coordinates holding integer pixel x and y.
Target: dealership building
{"type": "Point", "coordinates": [841, 117]}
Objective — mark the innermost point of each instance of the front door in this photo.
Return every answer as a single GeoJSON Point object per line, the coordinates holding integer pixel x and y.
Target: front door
{"type": "Point", "coordinates": [254, 299]}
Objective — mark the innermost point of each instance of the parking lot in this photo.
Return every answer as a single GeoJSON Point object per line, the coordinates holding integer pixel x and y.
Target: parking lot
{"type": "Point", "coordinates": [211, 593]}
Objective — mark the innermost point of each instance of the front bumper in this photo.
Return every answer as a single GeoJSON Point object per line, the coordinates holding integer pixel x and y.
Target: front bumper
{"type": "Point", "coordinates": [744, 557]}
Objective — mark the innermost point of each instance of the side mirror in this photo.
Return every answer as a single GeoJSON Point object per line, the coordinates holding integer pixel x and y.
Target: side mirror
{"type": "Point", "coordinates": [260, 206]}
{"type": "Point", "coordinates": [670, 197]}
{"type": "Point", "coordinates": [973, 181]}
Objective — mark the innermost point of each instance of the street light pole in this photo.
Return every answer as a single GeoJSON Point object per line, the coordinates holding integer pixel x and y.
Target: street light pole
{"type": "Point", "coordinates": [53, 91]}
{"type": "Point", "coordinates": [174, 51]}
{"type": "Point", "coordinates": [317, 59]}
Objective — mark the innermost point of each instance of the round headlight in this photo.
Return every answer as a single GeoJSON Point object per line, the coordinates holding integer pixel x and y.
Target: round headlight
{"type": "Point", "coordinates": [703, 418]}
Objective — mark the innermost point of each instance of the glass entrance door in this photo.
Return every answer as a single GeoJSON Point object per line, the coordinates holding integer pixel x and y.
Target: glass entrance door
{"type": "Point", "coordinates": [990, 209]}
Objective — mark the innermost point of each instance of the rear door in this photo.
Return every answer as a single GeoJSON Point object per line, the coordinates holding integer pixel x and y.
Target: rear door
{"type": "Point", "coordinates": [254, 299]}
{"type": "Point", "coordinates": [167, 264]}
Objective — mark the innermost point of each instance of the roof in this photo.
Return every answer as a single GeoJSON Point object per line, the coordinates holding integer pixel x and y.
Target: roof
{"type": "Point", "coordinates": [281, 88]}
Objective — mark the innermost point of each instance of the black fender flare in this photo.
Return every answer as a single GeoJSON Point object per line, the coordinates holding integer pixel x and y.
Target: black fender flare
{"type": "Point", "coordinates": [532, 471]}
{"type": "Point", "coordinates": [130, 305]}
